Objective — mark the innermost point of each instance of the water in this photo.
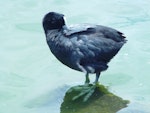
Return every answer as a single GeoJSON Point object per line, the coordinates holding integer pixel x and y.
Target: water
{"type": "Point", "coordinates": [33, 81]}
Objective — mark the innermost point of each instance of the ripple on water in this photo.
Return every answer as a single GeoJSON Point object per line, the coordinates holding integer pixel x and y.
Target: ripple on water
{"type": "Point", "coordinates": [30, 27]}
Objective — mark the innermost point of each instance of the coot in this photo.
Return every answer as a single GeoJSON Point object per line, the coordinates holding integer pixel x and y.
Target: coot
{"type": "Point", "coordinates": [87, 48]}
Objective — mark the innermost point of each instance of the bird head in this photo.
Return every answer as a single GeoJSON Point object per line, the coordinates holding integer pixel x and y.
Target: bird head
{"type": "Point", "coordinates": [53, 20]}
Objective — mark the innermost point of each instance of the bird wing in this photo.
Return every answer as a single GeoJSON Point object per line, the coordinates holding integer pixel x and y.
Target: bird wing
{"type": "Point", "coordinates": [98, 29]}
{"type": "Point", "coordinates": [96, 43]}
{"type": "Point", "coordinates": [73, 29]}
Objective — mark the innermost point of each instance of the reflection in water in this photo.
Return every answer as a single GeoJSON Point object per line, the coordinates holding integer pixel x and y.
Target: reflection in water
{"type": "Point", "coordinates": [91, 99]}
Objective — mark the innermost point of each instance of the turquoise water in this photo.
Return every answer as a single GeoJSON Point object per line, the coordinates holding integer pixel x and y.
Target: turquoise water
{"type": "Point", "coordinates": [31, 78]}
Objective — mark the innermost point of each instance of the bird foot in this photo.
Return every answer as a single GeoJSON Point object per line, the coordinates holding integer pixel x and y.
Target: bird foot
{"type": "Point", "coordinates": [84, 92]}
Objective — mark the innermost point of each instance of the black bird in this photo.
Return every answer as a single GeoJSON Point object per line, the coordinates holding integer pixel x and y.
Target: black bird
{"type": "Point", "coordinates": [87, 48]}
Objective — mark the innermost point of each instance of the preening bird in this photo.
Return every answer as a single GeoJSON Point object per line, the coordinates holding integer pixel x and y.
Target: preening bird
{"type": "Point", "coordinates": [86, 47]}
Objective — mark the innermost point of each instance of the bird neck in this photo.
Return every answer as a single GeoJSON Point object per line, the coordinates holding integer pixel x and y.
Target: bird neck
{"type": "Point", "coordinates": [65, 29]}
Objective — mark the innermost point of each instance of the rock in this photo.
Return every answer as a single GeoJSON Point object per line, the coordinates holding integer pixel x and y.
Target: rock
{"type": "Point", "coordinates": [91, 99]}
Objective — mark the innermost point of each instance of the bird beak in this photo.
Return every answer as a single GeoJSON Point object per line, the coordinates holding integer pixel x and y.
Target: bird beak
{"type": "Point", "coordinates": [64, 18]}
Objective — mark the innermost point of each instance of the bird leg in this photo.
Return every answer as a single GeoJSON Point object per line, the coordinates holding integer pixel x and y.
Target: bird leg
{"type": "Point", "coordinates": [97, 77]}
{"type": "Point", "coordinates": [87, 80]}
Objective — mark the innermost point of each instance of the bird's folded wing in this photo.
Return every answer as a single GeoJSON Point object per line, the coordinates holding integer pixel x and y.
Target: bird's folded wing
{"type": "Point", "coordinates": [99, 42]}
{"type": "Point", "coordinates": [99, 30]}
{"type": "Point", "coordinates": [102, 50]}
{"type": "Point", "coordinates": [78, 29]}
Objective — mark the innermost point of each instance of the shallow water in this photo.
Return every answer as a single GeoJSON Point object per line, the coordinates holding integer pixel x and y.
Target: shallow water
{"type": "Point", "coordinates": [31, 78]}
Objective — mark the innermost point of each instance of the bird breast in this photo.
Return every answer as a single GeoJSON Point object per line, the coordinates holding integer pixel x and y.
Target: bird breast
{"type": "Point", "coordinates": [65, 49]}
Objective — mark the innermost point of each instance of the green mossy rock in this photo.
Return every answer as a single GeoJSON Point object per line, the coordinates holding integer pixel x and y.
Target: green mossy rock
{"type": "Point", "coordinates": [91, 99]}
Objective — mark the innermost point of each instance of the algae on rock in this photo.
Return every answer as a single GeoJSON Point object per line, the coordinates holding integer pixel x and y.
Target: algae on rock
{"type": "Point", "coordinates": [91, 99]}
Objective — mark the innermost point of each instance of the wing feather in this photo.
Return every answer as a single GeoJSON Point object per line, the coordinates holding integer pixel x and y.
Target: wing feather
{"type": "Point", "coordinates": [99, 43]}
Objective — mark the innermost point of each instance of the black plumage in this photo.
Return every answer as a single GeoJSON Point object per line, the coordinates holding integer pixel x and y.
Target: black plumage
{"type": "Point", "coordinates": [87, 48]}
